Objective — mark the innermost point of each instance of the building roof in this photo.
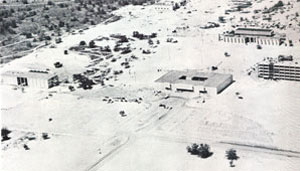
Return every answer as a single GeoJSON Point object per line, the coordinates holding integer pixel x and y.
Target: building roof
{"type": "Point", "coordinates": [30, 74]}
{"type": "Point", "coordinates": [295, 62]}
{"type": "Point", "coordinates": [194, 77]}
{"type": "Point", "coordinates": [254, 31]}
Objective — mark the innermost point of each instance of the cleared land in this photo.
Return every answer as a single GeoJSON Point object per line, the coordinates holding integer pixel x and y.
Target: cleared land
{"type": "Point", "coordinates": [259, 118]}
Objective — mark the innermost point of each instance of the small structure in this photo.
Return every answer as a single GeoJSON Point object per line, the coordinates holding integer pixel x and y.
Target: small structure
{"type": "Point", "coordinates": [31, 78]}
{"type": "Point", "coordinates": [253, 35]}
{"type": "Point", "coordinates": [194, 81]}
{"type": "Point", "coordinates": [279, 69]}
{"type": "Point", "coordinates": [163, 6]}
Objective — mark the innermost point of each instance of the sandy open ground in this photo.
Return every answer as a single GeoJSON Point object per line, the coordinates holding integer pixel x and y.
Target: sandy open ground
{"type": "Point", "coordinates": [88, 133]}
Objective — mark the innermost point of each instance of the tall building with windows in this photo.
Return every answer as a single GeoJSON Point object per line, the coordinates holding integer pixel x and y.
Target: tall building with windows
{"type": "Point", "coordinates": [280, 69]}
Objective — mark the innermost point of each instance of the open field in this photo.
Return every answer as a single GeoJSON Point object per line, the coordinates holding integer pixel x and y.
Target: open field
{"type": "Point", "coordinates": [125, 121]}
{"type": "Point", "coordinates": [170, 155]}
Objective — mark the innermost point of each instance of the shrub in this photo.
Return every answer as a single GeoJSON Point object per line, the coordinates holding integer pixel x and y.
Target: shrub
{"type": "Point", "coordinates": [26, 147]}
{"type": "Point", "coordinates": [84, 82]}
{"type": "Point", "coordinates": [92, 44]}
{"type": "Point", "coordinates": [279, 4]}
{"type": "Point", "coordinates": [27, 35]}
{"type": "Point", "coordinates": [126, 50]}
{"type": "Point", "coordinates": [82, 43]}
{"type": "Point", "coordinates": [202, 150]}
{"type": "Point", "coordinates": [61, 24]}
{"type": "Point", "coordinates": [47, 38]}
{"type": "Point", "coordinates": [50, 3]}
{"type": "Point", "coordinates": [4, 134]}
{"type": "Point", "coordinates": [45, 136]}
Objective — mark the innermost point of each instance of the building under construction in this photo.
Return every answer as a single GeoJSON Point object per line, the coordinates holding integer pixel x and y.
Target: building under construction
{"type": "Point", "coordinates": [283, 68]}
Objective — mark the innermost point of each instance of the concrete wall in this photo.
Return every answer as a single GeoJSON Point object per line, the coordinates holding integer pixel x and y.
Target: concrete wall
{"type": "Point", "coordinates": [32, 82]}
{"type": "Point", "coordinates": [7, 80]}
{"type": "Point", "coordinates": [183, 86]}
{"type": "Point", "coordinates": [257, 40]}
{"type": "Point", "coordinates": [195, 89]}
{"type": "Point", "coordinates": [37, 83]}
{"type": "Point", "coordinates": [223, 85]}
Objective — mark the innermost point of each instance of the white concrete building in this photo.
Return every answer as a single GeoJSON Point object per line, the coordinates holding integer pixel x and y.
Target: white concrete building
{"type": "Point", "coordinates": [280, 69]}
{"type": "Point", "coordinates": [163, 6]}
{"type": "Point", "coordinates": [196, 82]}
{"type": "Point", "coordinates": [253, 35]}
{"type": "Point", "coordinates": [32, 78]}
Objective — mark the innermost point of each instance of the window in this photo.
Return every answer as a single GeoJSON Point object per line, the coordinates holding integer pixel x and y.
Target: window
{"type": "Point", "coordinates": [197, 78]}
{"type": "Point", "coordinates": [183, 77]}
{"type": "Point", "coordinates": [22, 81]}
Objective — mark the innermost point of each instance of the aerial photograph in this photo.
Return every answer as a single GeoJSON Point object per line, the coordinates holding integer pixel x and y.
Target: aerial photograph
{"type": "Point", "coordinates": [150, 85]}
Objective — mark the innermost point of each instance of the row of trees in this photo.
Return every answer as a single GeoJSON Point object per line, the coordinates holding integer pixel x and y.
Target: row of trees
{"type": "Point", "coordinates": [203, 151]}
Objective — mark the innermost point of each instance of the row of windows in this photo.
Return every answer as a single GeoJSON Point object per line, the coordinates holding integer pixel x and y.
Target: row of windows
{"type": "Point", "coordinates": [278, 66]}
{"type": "Point", "coordinates": [283, 74]}
{"type": "Point", "coordinates": [279, 70]}
{"type": "Point", "coordinates": [280, 76]}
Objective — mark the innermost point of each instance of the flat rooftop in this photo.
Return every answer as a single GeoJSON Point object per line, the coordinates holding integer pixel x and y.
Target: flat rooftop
{"type": "Point", "coordinates": [30, 74]}
{"type": "Point", "coordinates": [254, 32]}
{"type": "Point", "coordinates": [295, 62]}
{"type": "Point", "coordinates": [254, 29]}
{"type": "Point", "coordinates": [194, 77]}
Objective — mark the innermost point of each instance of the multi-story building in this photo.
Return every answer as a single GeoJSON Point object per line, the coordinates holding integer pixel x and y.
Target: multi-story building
{"type": "Point", "coordinates": [279, 69]}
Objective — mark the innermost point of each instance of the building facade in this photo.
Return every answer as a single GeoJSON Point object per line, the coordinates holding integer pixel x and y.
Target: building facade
{"type": "Point", "coordinates": [279, 70]}
{"type": "Point", "coordinates": [195, 82]}
{"type": "Point", "coordinates": [32, 78]}
{"type": "Point", "coordinates": [163, 6]}
{"type": "Point", "coordinates": [253, 35]}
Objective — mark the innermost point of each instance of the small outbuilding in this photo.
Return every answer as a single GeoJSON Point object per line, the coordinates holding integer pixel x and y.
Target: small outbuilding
{"type": "Point", "coordinates": [31, 78]}
{"type": "Point", "coordinates": [211, 83]}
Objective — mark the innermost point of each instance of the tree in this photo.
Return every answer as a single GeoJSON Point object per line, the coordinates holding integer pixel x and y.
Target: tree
{"type": "Point", "coordinates": [24, 1]}
{"type": "Point", "coordinates": [176, 6]}
{"type": "Point", "coordinates": [279, 4]}
{"type": "Point", "coordinates": [61, 24]}
{"type": "Point", "coordinates": [82, 43]}
{"type": "Point", "coordinates": [92, 44]}
{"type": "Point", "coordinates": [231, 155]}
{"type": "Point", "coordinates": [202, 150]}
{"type": "Point", "coordinates": [4, 134]}
{"type": "Point", "coordinates": [50, 3]}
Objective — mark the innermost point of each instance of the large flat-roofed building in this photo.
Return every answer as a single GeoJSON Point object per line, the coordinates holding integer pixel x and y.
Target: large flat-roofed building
{"type": "Point", "coordinates": [253, 35]}
{"type": "Point", "coordinates": [279, 69]}
{"type": "Point", "coordinates": [31, 78]}
{"type": "Point", "coordinates": [254, 32]}
{"type": "Point", "coordinates": [194, 81]}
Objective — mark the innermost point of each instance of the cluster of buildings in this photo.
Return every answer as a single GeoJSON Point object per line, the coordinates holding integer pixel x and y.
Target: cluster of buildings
{"type": "Point", "coordinates": [253, 35]}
